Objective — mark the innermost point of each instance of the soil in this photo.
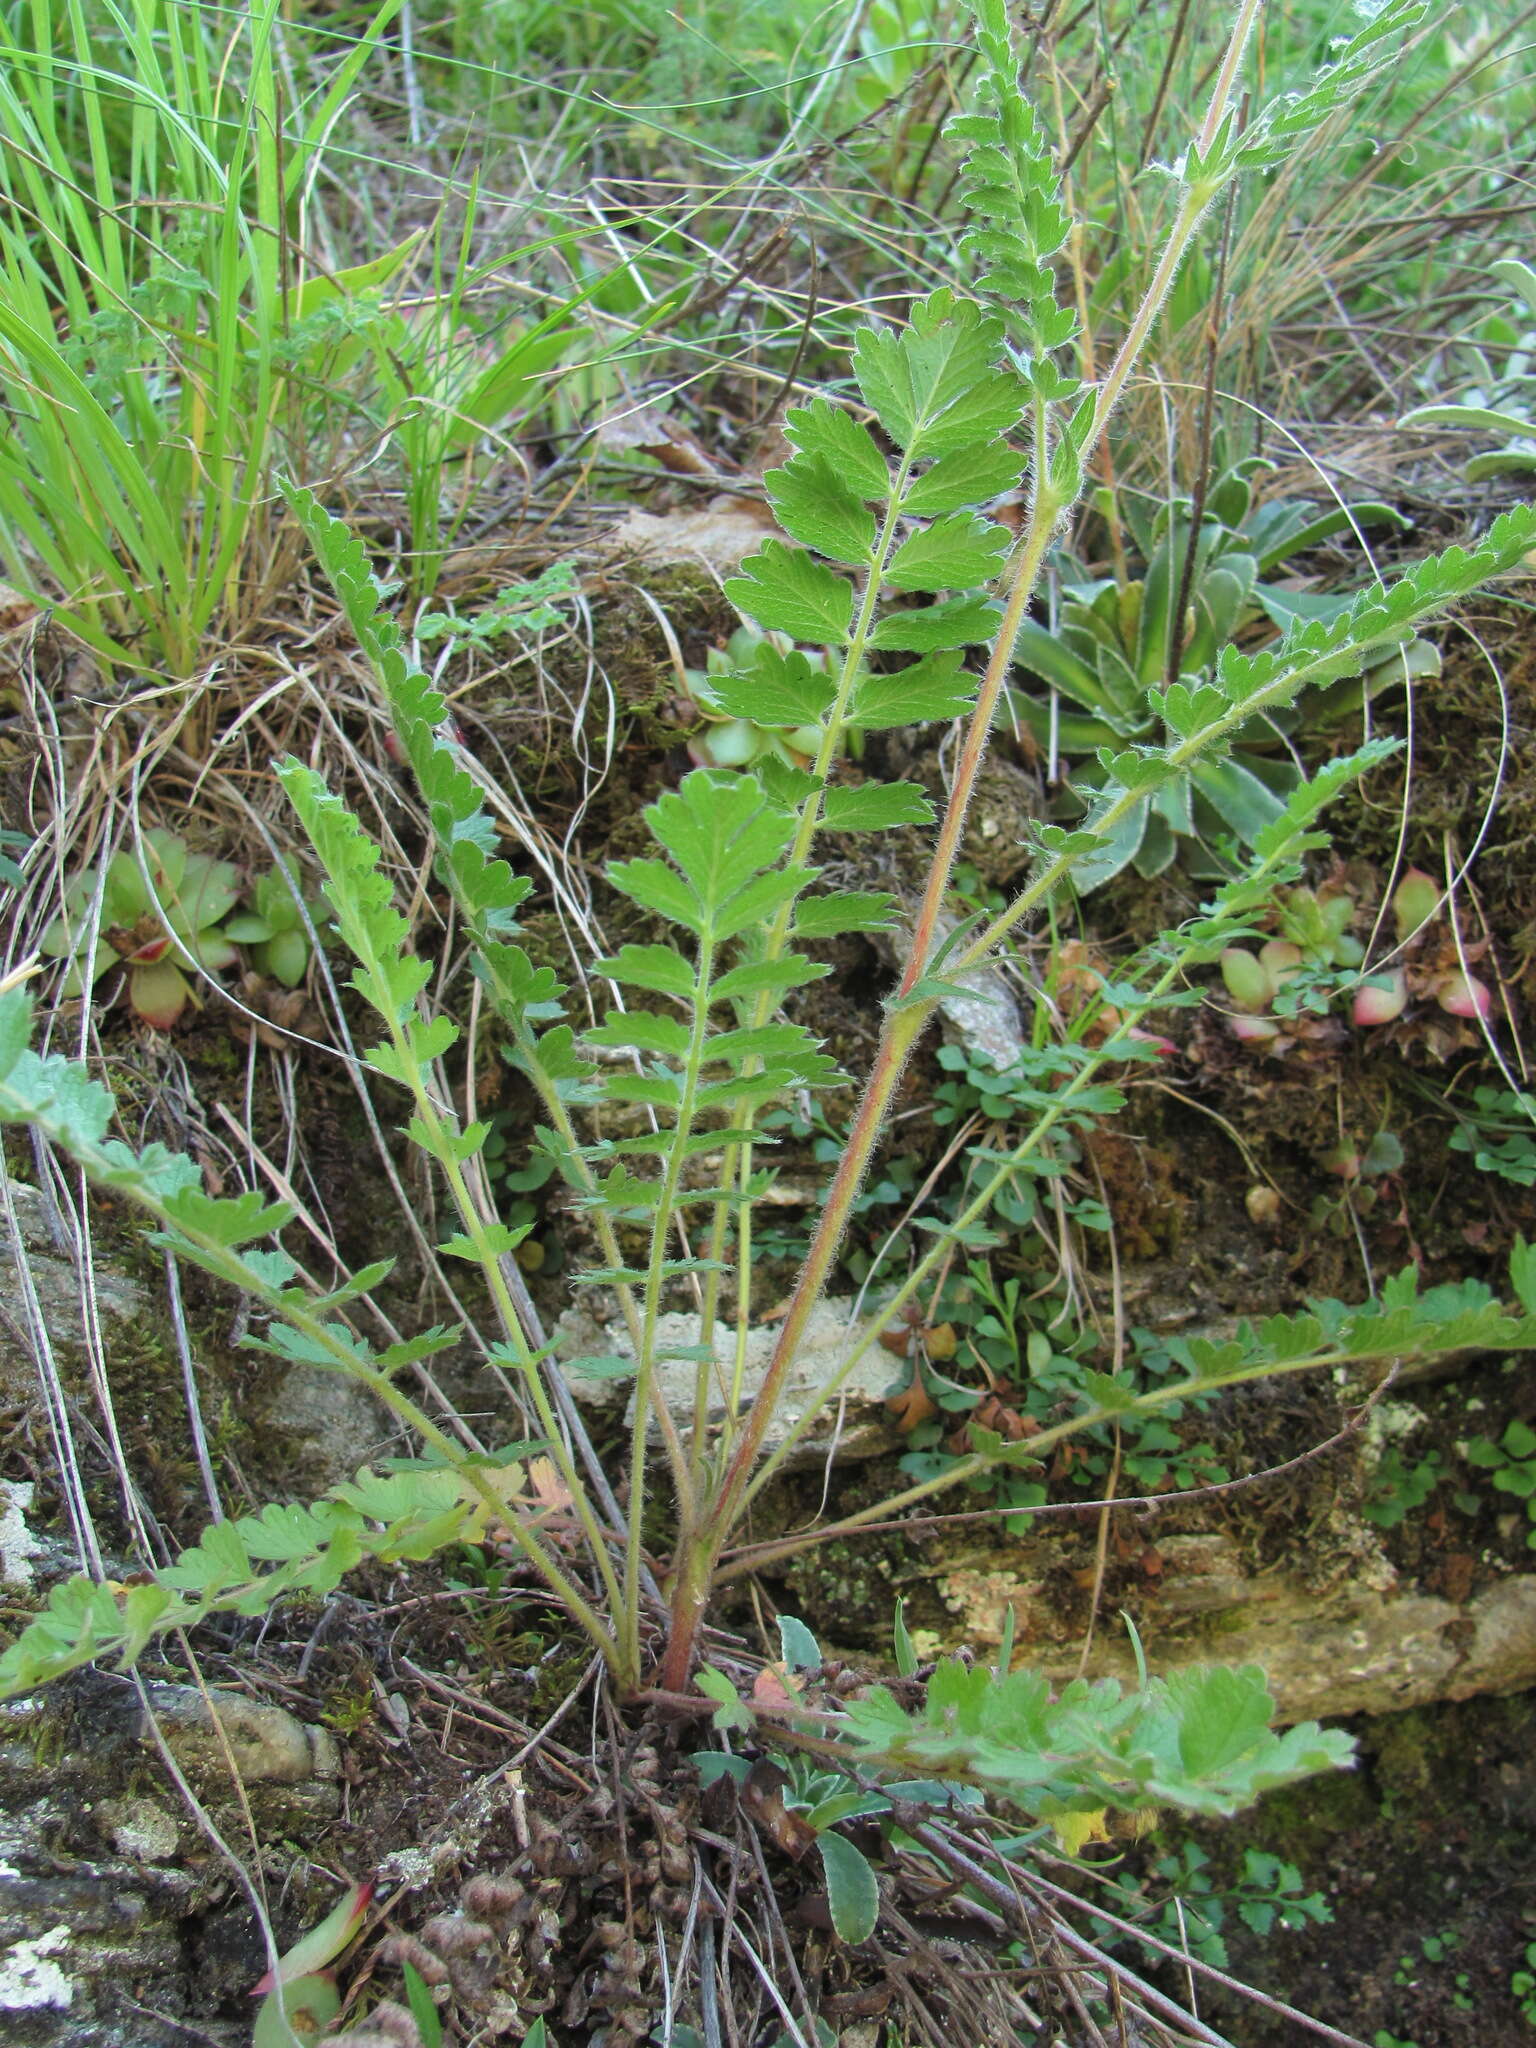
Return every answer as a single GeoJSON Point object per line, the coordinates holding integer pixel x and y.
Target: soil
{"type": "Point", "coordinates": [1423, 1855]}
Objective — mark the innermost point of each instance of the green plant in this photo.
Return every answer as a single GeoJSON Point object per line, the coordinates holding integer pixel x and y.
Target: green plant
{"type": "Point", "coordinates": [276, 928]}
{"type": "Point", "coordinates": [1504, 399]}
{"type": "Point", "coordinates": [1191, 1908]}
{"type": "Point", "coordinates": [154, 913]}
{"type": "Point", "coordinates": [1011, 1378]}
{"type": "Point", "coordinates": [1296, 972]}
{"type": "Point", "coordinates": [1523, 1985]}
{"type": "Point", "coordinates": [448, 381]}
{"type": "Point", "coordinates": [767, 671]}
{"type": "Point", "coordinates": [299, 1998]}
{"type": "Point", "coordinates": [418, 1997]}
{"type": "Point", "coordinates": [814, 1798]}
{"type": "Point", "coordinates": [1282, 994]}
{"type": "Point", "coordinates": [11, 876]}
{"type": "Point", "coordinates": [1200, 1740]}
{"type": "Point", "coordinates": [1119, 639]}
{"type": "Point", "coordinates": [154, 344]}
{"type": "Point", "coordinates": [1512, 1461]}
{"type": "Point", "coordinates": [737, 905]}
{"type": "Point", "coordinates": [1400, 1486]}
{"type": "Point", "coordinates": [1499, 1130]}
{"type": "Point", "coordinates": [519, 608]}
{"type": "Point", "coordinates": [1433, 1949]}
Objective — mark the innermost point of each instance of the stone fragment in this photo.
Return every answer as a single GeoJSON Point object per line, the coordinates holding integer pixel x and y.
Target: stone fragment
{"type": "Point", "coordinates": [858, 1416]}
{"type": "Point", "coordinates": [267, 1743]}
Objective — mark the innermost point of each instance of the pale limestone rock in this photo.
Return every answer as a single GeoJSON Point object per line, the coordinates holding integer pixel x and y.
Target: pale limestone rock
{"type": "Point", "coordinates": [1359, 1646]}
{"type": "Point", "coordinates": [858, 1417]}
{"type": "Point", "coordinates": [29, 1976]}
{"type": "Point", "coordinates": [18, 1545]}
{"type": "Point", "coordinates": [140, 1829]}
{"type": "Point", "coordinates": [268, 1744]}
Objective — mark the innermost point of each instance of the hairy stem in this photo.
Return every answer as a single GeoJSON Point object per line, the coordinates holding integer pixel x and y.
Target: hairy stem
{"type": "Point", "coordinates": [661, 1233]}
{"type": "Point", "coordinates": [979, 1463]}
{"type": "Point", "coordinates": [437, 1142]}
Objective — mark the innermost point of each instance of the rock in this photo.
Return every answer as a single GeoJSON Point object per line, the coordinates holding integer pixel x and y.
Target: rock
{"type": "Point", "coordinates": [205, 1732]}
{"type": "Point", "coordinates": [106, 1941]}
{"type": "Point", "coordinates": [327, 1425]}
{"type": "Point", "coordinates": [30, 1977]}
{"type": "Point", "coordinates": [1363, 1646]}
{"type": "Point", "coordinates": [56, 1280]}
{"type": "Point", "coordinates": [858, 1417]}
{"type": "Point", "coordinates": [18, 1545]}
{"type": "Point", "coordinates": [983, 1015]}
{"type": "Point", "coordinates": [140, 1830]}
{"type": "Point", "coordinates": [333, 1424]}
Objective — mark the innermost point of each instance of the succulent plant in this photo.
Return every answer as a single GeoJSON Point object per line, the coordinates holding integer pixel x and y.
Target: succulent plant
{"type": "Point", "coordinates": [1502, 400]}
{"type": "Point", "coordinates": [162, 910]}
{"type": "Point", "coordinates": [724, 741]}
{"type": "Point", "coordinates": [1094, 679]}
{"type": "Point", "coordinates": [273, 930]}
{"type": "Point", "coordinates": [1314, 946]}
{"type": "Point", "coordinates": [1314, 942]}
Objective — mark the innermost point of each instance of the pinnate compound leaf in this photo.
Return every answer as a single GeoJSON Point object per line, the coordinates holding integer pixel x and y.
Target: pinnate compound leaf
{"type": "Point", "coordinates": [389, 977]}
{"type": "Point", "coordinates": [309, 1550]}
{"type": "Point", "coordinates": [1106, 1392]}
{"type": "Point", "coordinates": [815, 506]}
{"type": "Point", "coordinates": [720, 830]}
{"type": "Point", "coordinates": [957, 552]}
{"type": "Point", "coordinates": [731, 1711]}
{"type": "Point", "coordinates": [228, 1220]}
{"type": "Point", "coordinates": [760, 899]}
{"type": "Point", "coordinates": [499, 1238]}
{"type": "Point", "coordinates": [785, 590]}
{"type": "Point", "coordinates": [768, 977]}
{"type": "Point", "coordinates": [1200, 1741]}
{"type": "Point", "coordinates": [874, 806]}
{"type": "Point", "coordinates": [1010, 189]}
{"type": "Point", "coordinates": [655, 886]}
{"type": "Point", "coordinates": [1326, 649]}
{"type": "Point", "coordinates": [1522, 1274]}
{"type": "Point", "coordinates": [644, 1030]}
{"type": "Point", "coordinates": [785, 1049]}
{"type": "Point", "coordinates": [658, 1091]}
{"type": "Point", "coordinates": [1189, 709]}
{"type": "Point", "coordinates": [1225, 1739]}
{"type": "Point", "coordinates": [1273, 135]}
{"type": "Point", "coordinates": [824, 429]}
{"type": "Point", "coordinates": [484, 886]}
{"type": "Point", "coordinates": [938, 385]}
{"type": "Point", "coordinates": [1224, 1714]}
{"type": "Point", "coordinates": [604, 1366]}
{"type": "Point", "coordinates": [1305, 803]}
